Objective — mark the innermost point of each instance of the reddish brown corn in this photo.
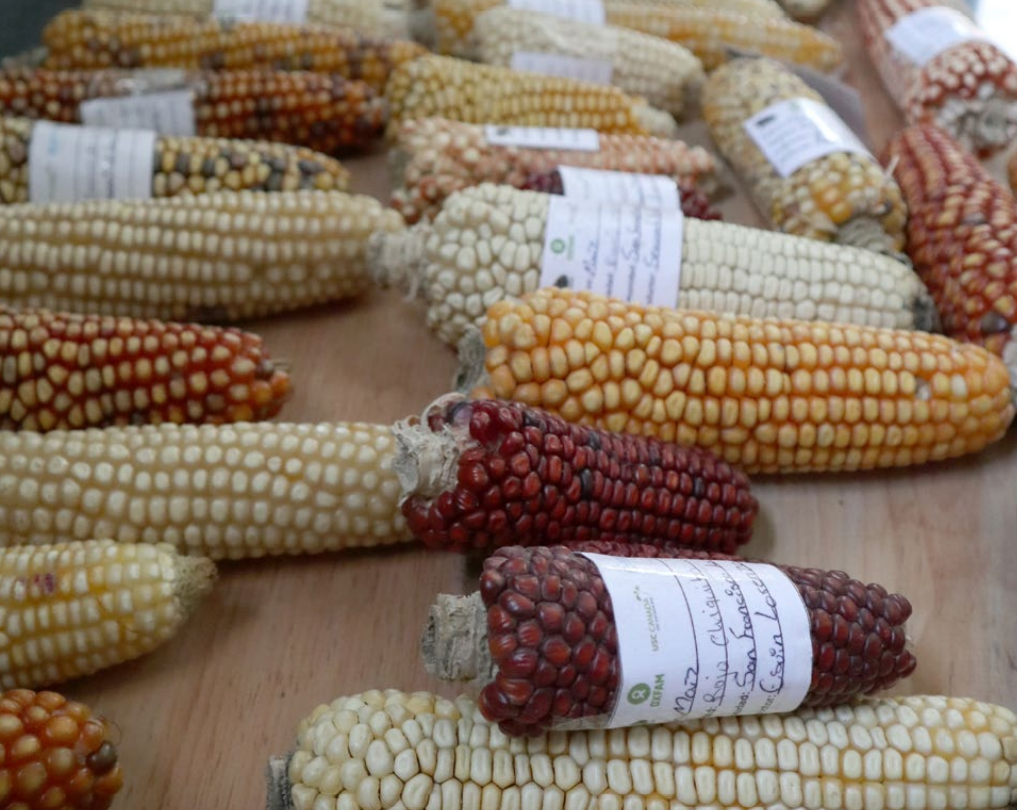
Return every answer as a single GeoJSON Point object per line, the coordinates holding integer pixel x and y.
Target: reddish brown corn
{"type": "Point", "coordinates": [55, 754]}
{"type": "Point", "coordinates": [485, 474]}
{"type": "Point", "coordinates": [61, 371]}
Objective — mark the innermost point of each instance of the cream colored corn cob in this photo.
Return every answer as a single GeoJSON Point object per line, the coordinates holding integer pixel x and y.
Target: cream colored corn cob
{"type": "Point", "coordinates": [72, 609]}
{"type": "Point", "coordinates": [386, 750]}
{"type": "Point", "coordinates": [488, 241]}
{"type": "Point", "coordinates": [667, 75]}
{"type": "Point", "coordinates": [214, 256]}
{"type": "Point", "coordinates": [843, 197]}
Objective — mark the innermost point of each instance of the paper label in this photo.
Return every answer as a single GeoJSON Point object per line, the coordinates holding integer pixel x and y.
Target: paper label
{"type": "Point", "coordinates": [628, 188]}
{"type": "Point", "coordinates": [588, 11]}
{"type": "Point", "coordinates": [168, 113]}
{"type": "Point", "coordinates": [705, 638]}
{"type": "Point", "coordinates": [623, 251]}
{"type": "Point", "coordinates": [68, 163]}
{"type": "Point", "coordinates": [584, 140]}
{"type": "Point", "coordinates": [924, 34]}
{"type": "Point", "coordinates": [598, 71]}
{"type": "Point", "coordinates": [797, 131]}
{"type": "Point", "coordinates": [273, 11]}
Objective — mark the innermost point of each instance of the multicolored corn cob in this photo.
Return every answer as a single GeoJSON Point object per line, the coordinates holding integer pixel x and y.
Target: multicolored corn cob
{"type": "Point", "coordinates": [485, 474]}
{"type": "Point", "coordinates": [319, 111]}
{"type": "Point", "coordinates": [770, 395]}
{"type": "Point", "coordinates": [844, 197]}
{"type": "Point", "coordinates": [392, 750]}
{"type": "Point", "coordinates": [434, 157]}
{"type": "Point", "coordinates": [183, 167]}
{"type": "Point", "coordinates": [73, 609]}
{"type": "Point", "coordinates": [55, 754]}
{"type": "Point", "coordinates": [223, 256]}
{"type": "Point", "coordinates": [488, 243]}
{"type": "Point", "coordinates": [92, 40]}
{"type": "Point", "coordinates": [970, 90]}
{"type": "Point", "coordinates": [62, 371]}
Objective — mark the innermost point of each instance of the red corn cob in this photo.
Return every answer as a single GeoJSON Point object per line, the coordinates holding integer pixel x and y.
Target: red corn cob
{"type": "Point", "coordinates": [61, 371]}
{"type": "Point", "coordinates": [55, 754]}
{"type": "Point", "coordinates": [483, 474]}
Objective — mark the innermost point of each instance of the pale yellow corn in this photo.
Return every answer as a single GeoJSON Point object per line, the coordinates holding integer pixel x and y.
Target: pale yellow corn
{"type": "Point", "coordinates": [69, 610]}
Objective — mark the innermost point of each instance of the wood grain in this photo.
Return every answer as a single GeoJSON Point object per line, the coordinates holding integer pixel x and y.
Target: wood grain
{"type": "Point", "coordinates": [199, 718]}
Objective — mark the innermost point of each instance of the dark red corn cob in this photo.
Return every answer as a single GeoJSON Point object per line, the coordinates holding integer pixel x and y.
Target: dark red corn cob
{"type": "Point", "coordinates": [552, 637]}
{"type": "Point", "coordinates": [520, 475]}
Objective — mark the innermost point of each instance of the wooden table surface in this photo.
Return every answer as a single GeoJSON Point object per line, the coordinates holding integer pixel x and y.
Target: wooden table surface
{"type": "Point", "coordinates": [199, 718]}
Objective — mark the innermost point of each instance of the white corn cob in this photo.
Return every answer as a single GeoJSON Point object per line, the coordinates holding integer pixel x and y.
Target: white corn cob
{"type": "Point", "coordinates": [487, 244]}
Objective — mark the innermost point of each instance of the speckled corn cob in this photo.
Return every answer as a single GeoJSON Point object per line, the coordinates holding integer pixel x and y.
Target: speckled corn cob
{"type": "Point", "coordinates": [770, 395]}
{"type": "Point", "coordinates": [806, 10]}
{"type": "Point", "coordinates": [488, 243]}
{"type": "Point", "coordinates": [62, 371]}
{"type": "Point", "coordinates": [664, 73]}
{"type": "Point", "coordinates": [188, 166]}
{"type": "Point", "coordinates": [55, 754]}
{"type": "Point", "coordinates": [483, 94]}
{"type": "Point", "coordinates": [319, 111]}
{"type": "Point", "coordinates": [513, 475]}
{"type": "Point", "coordinates": [434, 157]}
{"type": "Point", "coordinates": [843, 197]}
{"type": "Point", "coordinates": [210, 257]}
{"type": "Point", "coordinates": [970, 90]}
{"type": "Point", "coordinates": [70, 610]}
{"type": "Point", "coordinates": [100, 39]}
{"type": "Point", "coordinates": [393, 750]}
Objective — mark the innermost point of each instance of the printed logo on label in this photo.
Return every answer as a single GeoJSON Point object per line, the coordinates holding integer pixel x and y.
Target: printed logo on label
{"type": "Point", "coordinates": [640, 693]}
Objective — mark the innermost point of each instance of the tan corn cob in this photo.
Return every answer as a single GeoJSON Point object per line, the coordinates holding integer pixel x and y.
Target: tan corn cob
{"type": "Point", "coordinates": [189, 166]}
{"type": "Point", "coordinates": [73, 609]}
{"type": "Point", "coordinates": [664, 73]}
{"type": "Point", "coordinates": [211, 257]}
{"type": "Point", "coordinates": [434, 157]}
{"type": "Point", "coordinates": [843, 197]}
{"type": "Point", "coordinates": [483, 94]}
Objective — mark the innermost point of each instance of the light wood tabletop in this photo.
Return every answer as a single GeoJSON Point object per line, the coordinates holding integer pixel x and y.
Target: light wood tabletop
{"type": "Point", "coordinates": [199, 718]}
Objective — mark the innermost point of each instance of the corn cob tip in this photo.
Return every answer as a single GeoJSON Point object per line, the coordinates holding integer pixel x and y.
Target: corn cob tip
{"type": "Point", "coordinates": [426, 462]}
{"type": "Point", "coordinates": [278, 792]}
{"type": "Point", "coordinates": [453, 645]}
{"type": "Point", "coordinates": [397, 259]}
{"type": "Point", "coordinates": [195, 577]}
{"type": "Point", "coordinates": [471, 372]}
{"type": "Point", "coordinates": [656, 122]}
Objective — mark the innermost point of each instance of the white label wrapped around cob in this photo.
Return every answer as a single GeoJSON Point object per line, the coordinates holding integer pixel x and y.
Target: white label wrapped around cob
{"type": "Point", "coordinates": [588, 11]}
{"type": "Point", "coordinates": [168, 113]}
{"type": "Point", "coordinates": [629, 188]}
{"type": "Point", "coordinates": [924, 34]}
{"type": "Point", "coordinates": [705, 638]}
{"type": "Point", "coordinates": [624, 251]}
{"type": "Point", "coordinates": [68, 163]}
{"type": "Point", "coordinates": [597, 71]}
{"type": "Point", "coordinates": [797, 131]}
{"type": "Point", "coordinates": [274, 11]}
{"type": "Point", "coordinates": [581, 140]}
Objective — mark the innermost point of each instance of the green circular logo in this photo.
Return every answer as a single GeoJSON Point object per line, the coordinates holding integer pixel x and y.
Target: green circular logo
{"type": "Point", "coordinates": [557, 245]}
{"type": "Point", "coordinates": [639, 693]}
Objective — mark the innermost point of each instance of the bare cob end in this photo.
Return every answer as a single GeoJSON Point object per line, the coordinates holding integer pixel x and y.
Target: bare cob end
{"type": "Point", "coordinates": [398, 258]}
{"type": "Point", "coordinates": [195, 578]}
{"type": "Point", "coordinates": [453, 645]}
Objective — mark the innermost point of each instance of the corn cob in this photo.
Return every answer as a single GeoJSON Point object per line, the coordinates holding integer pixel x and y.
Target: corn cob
{"type": "Point", "coordinates": [392, 750]}
{"type": "Point", "coordinates": [806, 10]}
{"type": "Point", "coordinates": [770, 395]}
{"type": "Point", "coordinates": [55, 754]}
{"type": "Point", "coordinates": [315, 110]}
{"type": "Point", "coordinates": [100, 39]}
{"type": "Point", "coordinates": [189, 166]}
{"type": "Point", "coordinates": [483, 94]}
{"type": "Point", "coordinates": [843, 197]}
{"type": "Point", "coordinates": [63, 371]}
{"type": "Point", "coordinates": [73, 609]}
{"type": "Point", "coordinates": [664, 73]}
{"type": "Point", "coordinates": [434, 157]}
{"type": "Point", "coordinates": [489, 474]}
{"type": "Point", "coordinates": [970, 90]}
{"type": "Point", "coordinates": [547, 649]}
{"type": "Point", "coordinates": [210, 257]}
{"type": "Point", "coordinates": [488, 242]}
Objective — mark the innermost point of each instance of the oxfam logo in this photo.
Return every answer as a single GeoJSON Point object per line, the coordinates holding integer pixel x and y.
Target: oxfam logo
{"type": "Point", "coordinates": [557, 245]}
{"type": "Point", "coordinates": [639, 693]}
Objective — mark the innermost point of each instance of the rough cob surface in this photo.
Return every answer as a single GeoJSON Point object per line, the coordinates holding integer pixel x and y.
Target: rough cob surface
{"type": "Point", "coordinates": [392, 750]}
{"type": "Point", "coordinates": [319, 111]}
{"type": "Point", "coordinates": [770, 395]}
{"type": "Point", "coordinates": [488, 242]}
{"type": "Point", "coordinates": [434, 157]}
{"type": "Point", "coordinates": [548, 653]}
{"type": "Point", "coordinates": [56, 754]}
{"type": "Point", "coordinates": [843, 197]}
{"type": "Point", "coordinates": [211, 257]}
{"type": "Point", "coordinates": [73, 609]}
{"type": "Point", "coordinates": [189, 166]}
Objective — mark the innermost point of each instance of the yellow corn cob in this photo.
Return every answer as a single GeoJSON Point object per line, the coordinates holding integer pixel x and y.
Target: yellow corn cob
{"type": "Point", "coordinates": [843, 197]}
{"type": "Point", "coordinates": [770, 395]}
{"type": "Point", "coordinates": [386, 750]}
{"type": "Point", "coordinates": [73, 609]}
{"type": "Point", "coordinates": [482, 94]}
{"type": "Point", "coordinates": [214, 256]}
